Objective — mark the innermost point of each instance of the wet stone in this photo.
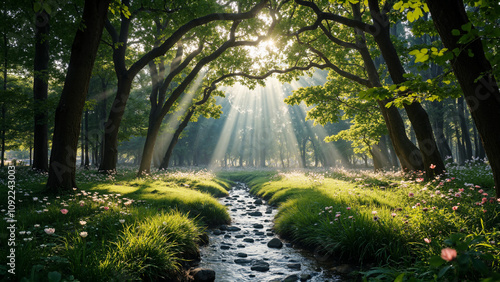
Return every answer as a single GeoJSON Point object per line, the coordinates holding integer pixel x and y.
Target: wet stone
{"type": "Point", "coordinates": [248, 240]}
{"type": "Point", "coordinates": [259, 233]}
{"type": "Point", "coordinates": [270, 234]}
{"type": "Point", "coordinates": [291, 278]}
{"type": "Point", "coordinates": [296, 266]}
{"type": "Point", "coordinates": [233, 228]}
{"type": "Point", "coordinates": [217, 232]}
{"type": "Point", "coordinates": [275, 243]}
{"type": "Point", "coordinates": [239, 236]}
{"type": "Point", "coordinates": [305, 277]}
{"type": "Point", "coordinates": [241, 255]}
{"type": "Point", "coordinates": [242, 261]}
{"type": "Point", "coordinates": [227, 236]}
{"type": "Point", "coordinates": [256, 213]}
{"type": "Point", "coordinates": [240, 246]}
{"type": "Point", "coordinates": [258, 226]}
{"type": "Point", "coordinates": [260, 265]}
{"type": "Point", "coordinates": [258, 202]}
{"type": "Point", "coordinates": [225, 247]}
{"type": "Point", "coordinates": [203, 275]}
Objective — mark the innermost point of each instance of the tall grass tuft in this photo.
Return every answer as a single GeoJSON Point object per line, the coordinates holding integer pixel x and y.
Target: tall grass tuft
{"type": "Point", "coordinates": [154, 249]}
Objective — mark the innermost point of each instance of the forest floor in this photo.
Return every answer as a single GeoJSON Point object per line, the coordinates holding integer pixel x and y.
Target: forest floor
{"type": "Point", "coordinates": [118, 227]}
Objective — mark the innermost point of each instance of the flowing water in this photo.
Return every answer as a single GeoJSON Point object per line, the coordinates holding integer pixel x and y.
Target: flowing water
{"type": "Point", "coordinates": [240, 252]}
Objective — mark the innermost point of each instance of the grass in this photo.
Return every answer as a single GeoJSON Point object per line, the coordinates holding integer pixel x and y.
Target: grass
{"type": "Point", "coordinates": [118, 227]}
{"type": "Point", "coordinates": [385, 219]}
{"type": "Point", "coordinates": [114, 227]}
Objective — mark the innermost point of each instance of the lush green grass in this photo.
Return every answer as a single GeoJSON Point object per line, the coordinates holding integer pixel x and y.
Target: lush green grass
{"type": "Point", "coordinates": [386, 218]}
{"type": "Point", "coordinates": [114, 227]}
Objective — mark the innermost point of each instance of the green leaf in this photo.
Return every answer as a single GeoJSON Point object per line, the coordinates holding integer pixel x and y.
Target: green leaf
{"type": "Point", "coordinates": [398, 5]}
{"type": "Point", "coordinates": [436, 261]}
{"type": "Point", "coordinates": [414, 52]}
{"type": "Point", "coordinates": [467, 26]}
{"type": "Point", "coordinates": [47, 8]}
{"type": "Point", "coordinates": [480, 266]}
{"type": "Point", "coordinates": [54, 276]}
{"type": "Point", "coordinates": [470, 53]}
{"type": "Point", "coordinates": [455, 32]}
{"type": "Point", "coordinates": [443, 271]}
{"type": "Point", "coordinates": [37, 6]}
{"type": "Point", "coordinates": [400, 277]}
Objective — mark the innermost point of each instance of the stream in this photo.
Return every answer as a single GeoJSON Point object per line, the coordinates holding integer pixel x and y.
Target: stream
{"type": "Point", "coordinates": [241, 251]}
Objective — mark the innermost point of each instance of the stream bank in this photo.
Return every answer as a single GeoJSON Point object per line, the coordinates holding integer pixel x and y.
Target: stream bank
{"type": "Point", "coordinates": [248, 250]}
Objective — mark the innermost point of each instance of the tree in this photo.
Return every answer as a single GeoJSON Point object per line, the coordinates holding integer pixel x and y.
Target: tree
{"type": "Point", "coordinates": [69, 110]}
{"type": "Point", "coordinates": [125, 76]}
{"type": "Point", "coordinates": [474, 73]}
{"type": "Point", "coordinates": [40, 87]}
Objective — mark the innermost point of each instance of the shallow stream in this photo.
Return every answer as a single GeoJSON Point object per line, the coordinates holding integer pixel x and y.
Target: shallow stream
{"type": "Point", "coordinates": [240, 251]}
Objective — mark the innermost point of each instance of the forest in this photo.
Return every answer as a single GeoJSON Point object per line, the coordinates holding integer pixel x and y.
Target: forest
{"type": "Point", "coordinates": [315, 105]}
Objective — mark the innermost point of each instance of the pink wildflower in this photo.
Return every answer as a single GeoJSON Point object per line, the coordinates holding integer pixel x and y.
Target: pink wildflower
{"type": "Point", "coordinates": [427, 240]}
{"type": "Point", "coordinates": [448, 254]}
{"type": "Point", "coordinates": [64, 211]}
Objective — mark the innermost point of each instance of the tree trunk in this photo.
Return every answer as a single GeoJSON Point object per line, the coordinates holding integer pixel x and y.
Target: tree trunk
{"type": "Point", "coordinates": [442, 143]}
{"type": "Point", "coordinates": [175, 138]}
{"type": "Point", "coordinates": [4, 109]}
{"type": "Point", "coordinates": [416, 113]}
{"type": "Point", "coordinates": [148, 150]}
{"type": "Point", "coordinates": [465, 130]}
{"type": "Point", "coordinates": [70, 108]}
{"type": "Point", "coordinates": [408, 154]}
{"type": "Point", "coordinates": [475, 77]}
{"type": "Point", "coordinates": [82, 145]}
{"type": "Point", "coordinates": [110, 150]}
{"type": "Point", "coordinates": [87, 161]}
{"type": "Point", "coordinates": [40, 90]}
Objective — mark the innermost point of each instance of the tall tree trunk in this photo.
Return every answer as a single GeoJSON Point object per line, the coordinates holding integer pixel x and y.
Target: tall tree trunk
{"type": "Point", "coordinates": [101, 120]}
{"type": "Point", "coordinates": [465, 130]}
{"type": "Point", "coordinates": [478, 145]}
{"type": "Point", "coordinates": [87, 161]}
{"type": "Point", "coordinates": [408, 154]}
{"type": "Point", "coordinates": [416, 113]}
{"type": "Point", "coordinates": [442, 143]}
{"type": "Point", "coordinates": [4, 109]}
{"type": "Point", "coordinates": [69, 111]}
{"type": "Point", "coordinates": [175, 138]}
{"type": "Point", "coordinates": [475, 77]}
{"type": "Point", "coordinates": [110, 150]}
{"type": "Point", "coordinates": [460, 145]}
{"type": "Point", "coordinates": [148, 150]}
{"type": "Point", "coordinates": [82, 145]}
{"type": "Point", "coordinates": [40, 90]}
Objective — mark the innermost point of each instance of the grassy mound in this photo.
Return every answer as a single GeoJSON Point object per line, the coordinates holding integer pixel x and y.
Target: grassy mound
{"type": "Point", "coordinates": [114, 227]}
{"type": "Point", "coordinates": [387, 219]}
